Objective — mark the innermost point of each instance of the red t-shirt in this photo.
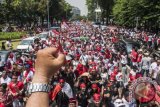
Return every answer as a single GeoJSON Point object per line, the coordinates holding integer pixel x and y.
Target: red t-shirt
{"type": "Point", "coordinates": [134, 56]}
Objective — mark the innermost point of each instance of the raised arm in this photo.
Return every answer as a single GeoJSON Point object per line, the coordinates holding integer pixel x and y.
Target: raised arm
{"type": "Point", "coordinates": [47, 63]}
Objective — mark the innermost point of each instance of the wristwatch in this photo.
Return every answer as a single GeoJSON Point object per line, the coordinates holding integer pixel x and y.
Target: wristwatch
{"type": "Point", "coordinates": [38, 87]}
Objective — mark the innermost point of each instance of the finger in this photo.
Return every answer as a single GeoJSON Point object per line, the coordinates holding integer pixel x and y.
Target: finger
{"type": "Point", "coordinates": [60, 60]}
{"type": "Point", "coordinates": [52, 51]}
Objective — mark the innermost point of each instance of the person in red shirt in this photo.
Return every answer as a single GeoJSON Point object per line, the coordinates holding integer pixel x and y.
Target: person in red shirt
{"type": "Point", "coordinates": [139, 58]}
{"type": "Point", "coordinates": [134, 56]}
{"type": "Point", "coordinates": [5, 97]}
{"type": "Point", "coordinates": [80, 69]}
{"type": "Point", "coordinates": [16, 89]}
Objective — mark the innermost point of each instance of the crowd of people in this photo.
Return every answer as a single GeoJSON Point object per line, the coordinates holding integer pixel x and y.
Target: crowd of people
{"type": "Point", "coordinates": [97, 72]}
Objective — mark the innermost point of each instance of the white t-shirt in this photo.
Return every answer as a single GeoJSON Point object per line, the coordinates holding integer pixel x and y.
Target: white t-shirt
{"type": "Point", "coordinates": [7, 80]}
{"type": "Point", "coordinates": [154, 69]}
{"type": "Point", "coordinates": [124, 59]}
{"type": "Point", "coordinates": [146, 63]}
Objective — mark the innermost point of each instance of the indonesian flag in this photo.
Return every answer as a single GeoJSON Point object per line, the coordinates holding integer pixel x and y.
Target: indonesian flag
{"type": "Point", "coordinates": [64, 25]}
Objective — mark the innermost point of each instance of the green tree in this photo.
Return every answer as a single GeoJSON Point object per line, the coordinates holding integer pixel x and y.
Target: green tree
{"type": "Point", "coordinates": [91, 4]}
{"type": "Point", "coordinates": [30, 11]}
{"type": "Point", "coordinates": [106, 7]}
{"type": "Point", "coordinates": [148, 12]}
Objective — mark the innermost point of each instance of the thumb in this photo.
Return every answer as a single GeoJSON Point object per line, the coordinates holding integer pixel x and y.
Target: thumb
{"type": "Point", "coordinates": [60, 60]}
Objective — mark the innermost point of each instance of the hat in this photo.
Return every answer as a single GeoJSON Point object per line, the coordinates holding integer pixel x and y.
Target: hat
{"type": "Point", "coordinates": [4, 71]}
{"type": "Point", "coordinates": [27, 66]}
{"type": "Point", "coordinates": [82, 85]}
{"type": "Point", "coordinates": [140, 50]}
{"type": "Point", "coordinates": [94, 86]}
{"type": "Point", "coordinates": [96, 97]}
{"type": "Point", "coordinates": [146, 53]}
{"type": "Point", "coordinates": [72, 100]}
{"type": "Point", "coordinates": [61, 81]}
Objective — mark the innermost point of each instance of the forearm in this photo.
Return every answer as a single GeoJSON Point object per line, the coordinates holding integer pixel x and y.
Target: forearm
{"type": "Point", "coordinates": [39, 99]}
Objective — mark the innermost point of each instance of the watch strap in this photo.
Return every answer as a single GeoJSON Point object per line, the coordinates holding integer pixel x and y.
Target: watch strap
{"type": "Point", "coordinates": [38, 87]}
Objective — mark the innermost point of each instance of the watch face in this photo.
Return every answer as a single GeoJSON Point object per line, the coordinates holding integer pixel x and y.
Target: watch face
{"type": "Point", "coordinates": [145, 92]}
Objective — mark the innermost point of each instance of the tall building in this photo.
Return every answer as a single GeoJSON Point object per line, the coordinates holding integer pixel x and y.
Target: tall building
{"type": "Point", "coordinates": [76, 11]}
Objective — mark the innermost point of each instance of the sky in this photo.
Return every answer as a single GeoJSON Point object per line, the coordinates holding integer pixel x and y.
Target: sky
{"type": "Point", "coordinates": [81, 4]}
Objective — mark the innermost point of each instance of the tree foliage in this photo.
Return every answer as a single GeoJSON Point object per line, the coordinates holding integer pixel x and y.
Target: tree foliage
{"type": "Point", "coordinates": [30, 11]}
{"type": "Point", "coordinates": [105, 5]}
{"type": "Point", "coordinates": [148, 12]}
{"type": "Point", "coordinates": [91, 4]}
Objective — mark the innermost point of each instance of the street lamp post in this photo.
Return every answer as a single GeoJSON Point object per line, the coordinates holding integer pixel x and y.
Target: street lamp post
{"type": "Point", "coordinates": [48, 14]}
{"type": "Point", "coordinates": [98, 11]}
{"type": "Point", "coordinates": [137, 23]}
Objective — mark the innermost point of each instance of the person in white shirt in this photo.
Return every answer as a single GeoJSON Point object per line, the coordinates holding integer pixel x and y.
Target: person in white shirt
{"type": "Point", "coordinates": [5, 79]}
{"type": "Point", "coordinates": [154, 69]}
{"type": "Point", "coordinates": [146, 61]}
{"type": "Point", "coordinates": [66, 88]}
{"type": "Point", "coordinates": [84, 58]}
{"type": "Point", "coordinates": [27, 74]}
{"type": "Point", "coordinates": [75, 62]}
{"type": "Point", "coordinates": [124, 58]}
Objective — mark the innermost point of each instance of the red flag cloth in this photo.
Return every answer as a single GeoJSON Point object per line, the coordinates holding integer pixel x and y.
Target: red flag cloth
{"type": "Point", "coordinates": [56, 90]}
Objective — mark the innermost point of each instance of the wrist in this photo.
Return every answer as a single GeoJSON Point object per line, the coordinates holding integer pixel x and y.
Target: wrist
{"type": "Point", "coordinates": [40, 79]}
